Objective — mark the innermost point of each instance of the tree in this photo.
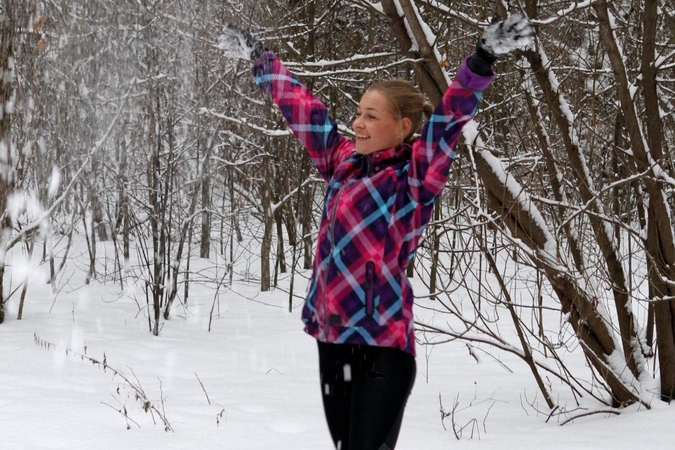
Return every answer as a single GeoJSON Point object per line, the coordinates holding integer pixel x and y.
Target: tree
{"type": "Point", "coordinates": [8, 18]}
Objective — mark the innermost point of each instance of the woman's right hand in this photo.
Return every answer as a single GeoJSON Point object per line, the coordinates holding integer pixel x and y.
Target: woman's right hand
{"type": "Point", "coordinates": [238, 43]}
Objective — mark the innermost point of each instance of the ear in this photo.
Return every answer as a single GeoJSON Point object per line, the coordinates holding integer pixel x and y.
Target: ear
{"type": "Point", "coordinates": [406, 127]}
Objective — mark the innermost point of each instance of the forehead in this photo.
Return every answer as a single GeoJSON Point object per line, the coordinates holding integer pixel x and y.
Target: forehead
{"type": "Point", "coordinates": [375, 100]}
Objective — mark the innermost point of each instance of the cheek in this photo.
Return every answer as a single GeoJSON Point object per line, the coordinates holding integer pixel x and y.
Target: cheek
{"type": "Point", "coordinates": [386, 129]}
{"type": "Point", "coordinates": [391, 130]}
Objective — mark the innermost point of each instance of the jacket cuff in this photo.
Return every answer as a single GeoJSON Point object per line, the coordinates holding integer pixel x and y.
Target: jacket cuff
{"type": "Point", "coordinates": [265, 57]}
{"type": "Point", "coordinates": [471, 80]}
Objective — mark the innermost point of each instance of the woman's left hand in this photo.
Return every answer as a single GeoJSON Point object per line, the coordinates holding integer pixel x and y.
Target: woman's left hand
{"type": "Point", "coordinates": [504, 36]}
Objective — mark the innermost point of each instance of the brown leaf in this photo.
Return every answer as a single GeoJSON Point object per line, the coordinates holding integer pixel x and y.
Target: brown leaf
{"type": "Point", "coordinates": [37, 25]}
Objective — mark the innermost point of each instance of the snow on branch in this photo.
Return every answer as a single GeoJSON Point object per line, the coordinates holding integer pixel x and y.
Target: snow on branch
{"type": "Point", "coordinates": [350, 71]}
{"type": "Point", "coordinates": [573, 6]}
{"type": "Point", "coordinates": [517, 192]}
{"type": "Point", "coordinates": [243, 122]}
{"type": "Point", "coordinates": [338, 62]}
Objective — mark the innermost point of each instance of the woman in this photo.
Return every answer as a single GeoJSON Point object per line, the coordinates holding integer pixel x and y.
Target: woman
{"type": "Point", "coordinates": [380, 196]}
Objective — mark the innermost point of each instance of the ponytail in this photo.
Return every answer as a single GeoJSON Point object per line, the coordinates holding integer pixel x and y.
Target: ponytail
{"type": "Point", "coordinates": [428, 110]}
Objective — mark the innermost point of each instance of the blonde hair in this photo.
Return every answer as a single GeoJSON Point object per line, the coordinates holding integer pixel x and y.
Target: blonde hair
{"type": "Point", "coordinates": [406, 101]}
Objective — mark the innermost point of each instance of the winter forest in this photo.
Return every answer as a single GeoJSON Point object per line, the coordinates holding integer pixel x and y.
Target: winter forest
{"type": "Point", "coordinates": [122, 123]}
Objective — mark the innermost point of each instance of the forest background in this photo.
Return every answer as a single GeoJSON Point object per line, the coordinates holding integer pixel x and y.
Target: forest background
{"type": "Point", "coordinates": [123, 124]}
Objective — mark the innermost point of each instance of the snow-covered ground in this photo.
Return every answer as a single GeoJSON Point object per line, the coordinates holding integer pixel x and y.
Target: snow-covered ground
{"type": "Point", "coordinates": [251, 382]}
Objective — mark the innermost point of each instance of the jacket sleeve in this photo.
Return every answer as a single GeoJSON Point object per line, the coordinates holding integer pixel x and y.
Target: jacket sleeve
{"type": "Point", "coordinates": [434, 151]}
{"type": "Point", "coordinates": [306, 115]}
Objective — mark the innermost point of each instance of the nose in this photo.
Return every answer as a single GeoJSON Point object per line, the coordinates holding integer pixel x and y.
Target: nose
{"type": "Point", "coordinates": [357, 123]}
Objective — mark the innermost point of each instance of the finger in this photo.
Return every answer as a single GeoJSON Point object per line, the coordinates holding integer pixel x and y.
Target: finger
{"type": "Point", "coordinates": [519, 26]}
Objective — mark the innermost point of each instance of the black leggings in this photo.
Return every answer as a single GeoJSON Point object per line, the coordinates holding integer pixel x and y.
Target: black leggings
{"type": "Point", "coordinates": [364, 389]}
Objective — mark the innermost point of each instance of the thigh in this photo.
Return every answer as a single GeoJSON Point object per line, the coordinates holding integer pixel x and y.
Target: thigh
{"type": "Point", "coordinates": [335, 363]}
{"type": "Point", "coordinates": [380, 392]}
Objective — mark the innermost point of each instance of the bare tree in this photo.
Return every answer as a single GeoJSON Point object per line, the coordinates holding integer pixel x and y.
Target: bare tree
{"type": "Point", "coordinates": [8, 17]}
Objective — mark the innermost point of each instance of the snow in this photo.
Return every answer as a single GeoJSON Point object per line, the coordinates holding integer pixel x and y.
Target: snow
{"type": "Point", "coordinates": [234, 45]}
{"type": "Point", "coordinates": [54, 181]}
{"type": "Point", "coordinates": [21, 203]}
{"type": "Point", "coordinates": [252, 381]}
{"type": "Point", "coordinates": [347, 375]}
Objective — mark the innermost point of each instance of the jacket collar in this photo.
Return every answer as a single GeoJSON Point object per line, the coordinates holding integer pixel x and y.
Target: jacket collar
{"type": "Point", "coordinates": [390, 155]}
{"type": "Point", "coordinates": [374, 162]}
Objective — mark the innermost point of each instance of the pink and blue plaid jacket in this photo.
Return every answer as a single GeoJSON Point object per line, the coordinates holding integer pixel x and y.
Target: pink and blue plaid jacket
{"type": "Point", "coordinates": [376, 208]}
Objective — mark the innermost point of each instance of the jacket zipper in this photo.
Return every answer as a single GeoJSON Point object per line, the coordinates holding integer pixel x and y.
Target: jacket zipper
{"type": "Point", "coordinates": [370, 288]}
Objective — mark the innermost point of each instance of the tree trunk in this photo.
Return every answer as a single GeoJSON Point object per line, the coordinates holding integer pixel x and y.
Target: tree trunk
{"type": "Point", "coordinates": [281, 251]}
{"type": "Point", "coordinates": [7, 30]}
{"type": "Point", "coordinates": [429, 73]}
{"type": "Point", "coordinates": [268, 230]}
{"type": "Point", "coordinates": [205, 244]}
{"type": "Point", "coordinates": [435, 249]}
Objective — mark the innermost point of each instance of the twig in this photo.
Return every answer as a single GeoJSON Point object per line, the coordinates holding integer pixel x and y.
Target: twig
{"type": "Point", "coordinates": [222, 411]}
{"type": "Point", "coordinates": [203, 389]}
{"type": "Point", "coordinates": [605, 411]}
{"type": "Point", "coordinates": [123, 412]}
{"type": "Point", "coordinates": [136, 387]}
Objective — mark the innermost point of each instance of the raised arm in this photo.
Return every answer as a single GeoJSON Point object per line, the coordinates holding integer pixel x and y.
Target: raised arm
{"type": "Point", "coordinates": [306, 116]}
{"type": "Point", "coordinates": [434, 151]}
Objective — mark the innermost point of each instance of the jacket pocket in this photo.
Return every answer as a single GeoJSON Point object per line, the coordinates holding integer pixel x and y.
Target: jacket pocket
{"type": "Point", "coordinates": [370, 288]}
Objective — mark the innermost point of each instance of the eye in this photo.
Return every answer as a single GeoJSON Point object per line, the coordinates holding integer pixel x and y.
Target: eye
{"type": "Point", "coordinates": [366, 116]}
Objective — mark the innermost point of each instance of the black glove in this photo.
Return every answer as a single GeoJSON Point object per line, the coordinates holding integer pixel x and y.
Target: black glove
{"type": "Point", "coordinates": [239, 43]}
{"type": "Point", "coordinates": [499, 38]}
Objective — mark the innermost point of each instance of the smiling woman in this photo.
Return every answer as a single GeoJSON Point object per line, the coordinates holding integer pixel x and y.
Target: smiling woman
{"type": "Point", "coordinates": [380, 197]}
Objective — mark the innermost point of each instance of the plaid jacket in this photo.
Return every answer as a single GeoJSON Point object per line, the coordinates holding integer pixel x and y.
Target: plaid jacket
{"type": "Point", "coordinates": [375, 210]}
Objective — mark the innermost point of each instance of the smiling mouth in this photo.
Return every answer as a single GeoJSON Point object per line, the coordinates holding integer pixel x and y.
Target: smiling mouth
{"type": "Point", "coordinates": [359, 136]}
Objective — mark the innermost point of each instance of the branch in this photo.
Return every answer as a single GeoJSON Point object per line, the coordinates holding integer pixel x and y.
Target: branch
{"type": "Point", "coordinates": [146, 404]}
{"type": "Point", "coordinates": [97, 145]}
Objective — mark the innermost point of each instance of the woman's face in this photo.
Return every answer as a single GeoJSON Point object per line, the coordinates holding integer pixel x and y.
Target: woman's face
{"type": "Point", "coordinates": [375, 125]}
